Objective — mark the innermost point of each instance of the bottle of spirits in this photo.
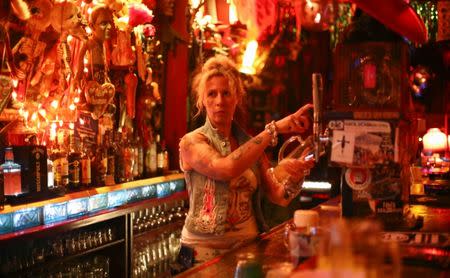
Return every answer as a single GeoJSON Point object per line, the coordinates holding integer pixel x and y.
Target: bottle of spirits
{"type": "Point", "coordinates": [60, 163]}
{"type": "Point", "coordinates": [128, 155]}
{"type": "Point", "coordinates": [50, 173]}
{"type": "Point", "coordinates": [166, 158]}
{"type": "Point", "coordinates": [160, 156]}
{"type": "Point", "coordinates": [54, 161]}
{"type": "Point", "coordinates": [140, 157]}
{"type": "Point", "coordinates": [10, 172]}
{"type": "Point", "coordinates": [86, 178]}
{"type": "Point", "coordinates": [99, 163]}
{"type": "Point", "coordinates": [135, 155]}
{"type": "Point", "coordinates": [111, 155]}
{"type": "Point", "coordinates": [151, 158]}
{"type": "Point", "coordinates": [74, 160]}
{"type": "Point", "coordinates": [119, 159]}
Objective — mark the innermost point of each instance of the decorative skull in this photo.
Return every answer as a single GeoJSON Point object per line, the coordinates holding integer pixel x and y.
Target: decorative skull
{"type": "Point", "coordinates": [67, 19]}
{"type": "Point", "coordinates": [40, 17]}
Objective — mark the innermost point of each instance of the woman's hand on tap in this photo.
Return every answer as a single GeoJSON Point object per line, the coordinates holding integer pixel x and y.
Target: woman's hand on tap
{"type": "Point", "coordinates": [297, 122]}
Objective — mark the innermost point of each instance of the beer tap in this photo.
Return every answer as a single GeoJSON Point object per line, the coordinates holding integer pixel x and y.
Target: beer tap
{"type": "Point", "coordinates": [319, 139]}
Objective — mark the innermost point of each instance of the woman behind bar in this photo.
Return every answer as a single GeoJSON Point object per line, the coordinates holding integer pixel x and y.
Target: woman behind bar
{"type": "Point", "coordinates": [226, 170]}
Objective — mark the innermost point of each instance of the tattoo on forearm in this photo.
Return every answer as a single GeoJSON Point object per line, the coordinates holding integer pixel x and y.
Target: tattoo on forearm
{"type": "Point", "coordinates": [237, 154]}
{"type": "Point", "coordinates": [257, 140]}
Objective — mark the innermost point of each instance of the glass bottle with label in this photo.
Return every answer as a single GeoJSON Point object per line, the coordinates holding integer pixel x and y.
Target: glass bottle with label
{"type": "Point", "coordinates": [159, 157]}
{"type": "Point", "coordinates": [128, 155]}
{"type": "Point", "coordinates": [111, 152]}
{"type": "Point", "coordinates": [119, 159]}
{"type": "Point", "coordinates": [162, 158]}
{"type": "Point", "coordinates": [154, 156]}
{"type": "Point", "coordinates": [60, 163]}
{"type": "Point", "coordinates": [140, 157]}
{"type": "Point", "coordinates": [99, 163]}
{"type": "Point", "coordinates": [74, 160]}
{"type": "Point", "coordinates": [10, 172]}
{"type": "Point", "coordinates": [86, 178]}
{"type": "Point", "coordinates": [50, 173]}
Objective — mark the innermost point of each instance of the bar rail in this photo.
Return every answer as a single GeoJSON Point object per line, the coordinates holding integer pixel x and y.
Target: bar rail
{"type": "Point", "coordinates": [89, 202]}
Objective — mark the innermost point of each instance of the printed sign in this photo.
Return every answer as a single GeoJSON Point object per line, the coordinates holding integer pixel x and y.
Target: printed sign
{"type": "Point", "coordinates": [362, 143]}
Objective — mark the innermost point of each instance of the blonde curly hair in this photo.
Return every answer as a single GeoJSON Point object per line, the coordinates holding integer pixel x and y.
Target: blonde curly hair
{"type": "Point", "coordinates": [219, 65]}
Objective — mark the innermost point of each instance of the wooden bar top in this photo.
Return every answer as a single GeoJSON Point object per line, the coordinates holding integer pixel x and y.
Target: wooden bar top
{"type": "Point", "coordinates": [270, 249]}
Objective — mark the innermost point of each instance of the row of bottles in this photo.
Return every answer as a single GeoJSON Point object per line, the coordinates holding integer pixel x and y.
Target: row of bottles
{"type": "Point", "coordinates": [115, 157]}
{"type": "Point", "coordinates": [75, 163]}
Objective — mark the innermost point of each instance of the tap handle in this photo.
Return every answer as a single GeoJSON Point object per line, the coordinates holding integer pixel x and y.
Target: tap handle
{"type": "Point", "coordinates": [317, 94]}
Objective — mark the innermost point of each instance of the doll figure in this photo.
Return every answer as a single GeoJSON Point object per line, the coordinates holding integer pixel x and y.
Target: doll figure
{"type": "Point", "coordinates": [98, 90]}
{"type": "Point", "coordinates": [29, 48]}
{"type": "Point", "coordinates": [67, 20]}
{"type": "Point", "coordinates": [8, 70]}
{"type": "Point", "coordinates": [102, 24]}
{"type": "Point", "coordinates": [54, 74]}
{"type": "Point", "coordinates": [29, 51]}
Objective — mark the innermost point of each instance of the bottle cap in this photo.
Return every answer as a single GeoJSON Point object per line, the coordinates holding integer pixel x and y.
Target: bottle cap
{"type": "Point", "coordinates": [306, 218]}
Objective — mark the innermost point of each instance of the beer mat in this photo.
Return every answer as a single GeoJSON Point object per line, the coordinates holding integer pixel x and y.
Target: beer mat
{"type": "Point", "coordinates": [418, 239]}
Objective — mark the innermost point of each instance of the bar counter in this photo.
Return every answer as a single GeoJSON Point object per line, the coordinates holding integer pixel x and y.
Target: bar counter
{"type": "Point", "coordinates": [270, 249]}
{"type": "Point", "coordinates": [85, 202]}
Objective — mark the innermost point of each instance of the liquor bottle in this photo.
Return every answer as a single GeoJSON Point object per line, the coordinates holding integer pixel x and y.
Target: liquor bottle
{"type": "Point", "coordinates": [50, 173]}
{"type": "Point", "coordinates": [119, 159]}
{"type": "Point", "coordinates": [111, 154]}
{"type": "Point", "coordinates": [135, 155]}
{"type": "Point", "coordinates": [140, 157]}
{"type": "Point", "coordinates": [162, 157]}
{"type": "Point", "coordinates": [10, 172]}
{"type": "Point", "coordinates": [128, 155]}
{"type": "Point", "coordinates": [86, 178]}
{"type": "Point", "coordinates": [60, 163]}
{"type": "Point", "coordinates": [151, 158]}
{"type": "Point", "coordinates": [54, 161]}
{"type": "Point", "coordinates": [166, 158]}
{"type": "Point", "coordinates": [99, 163]}
{"type": "Point", "coordinates": [74, 160]}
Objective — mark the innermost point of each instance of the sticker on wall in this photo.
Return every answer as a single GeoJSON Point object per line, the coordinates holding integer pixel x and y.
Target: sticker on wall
{"type": "Point", "coordinates": [358, 178]}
